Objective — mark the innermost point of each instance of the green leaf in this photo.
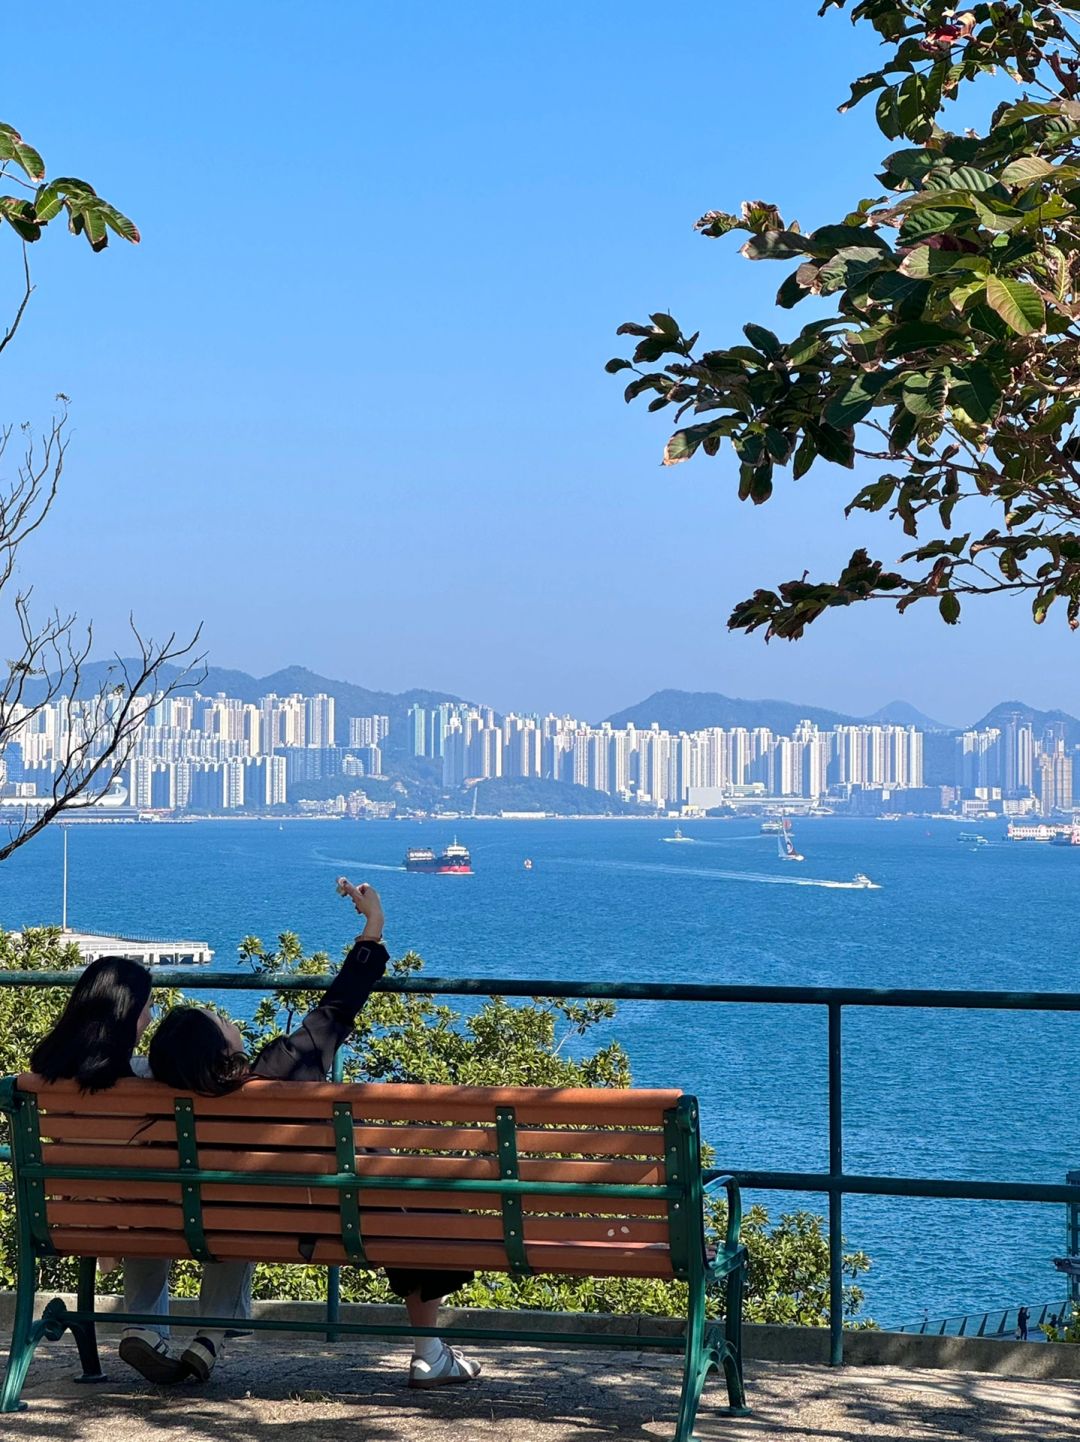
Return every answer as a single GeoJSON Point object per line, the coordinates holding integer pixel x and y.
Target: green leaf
{"type": "Point", "coordinates": [804, 457]}
{"type": "Point", "coordinates": [19, 214]}
{"type": "Point", "coordinates": [831, 444]}
{"type": "Point", "coordinates": [973, 388]}
{"type": "Point", "coordinates": [925, 394]}
{"type": "Point", "coordinates": [828, 239]}
{"type": "Point", "coordinates": [615, 365]}
{"type": "Point", "coordinates": [48, 203]}
{"type": "Point", "coordinates": [791, 292]}
{"type": "Point", "coordinates": [967, 177]}
{"type": "Point", "coordinates": [29, 159]}
{"type": "Point", "coordinates": [1027, 169]}
{"type": "Point", "coordinates": [949, 606]}
{"type": "Point", "coordinates": [684, 443]}
{"type": "Point", "coordinates": [848, 267]}
{"type": "Point", "coordinates": [1040, 606]}
{"type": "Point", "coordinates": [861, 88]}
{"type": "Point", "coordinates": [1018, 304]}
{"type": "Point", "coordinates": [920, 335]}
{"type": "Point", "coordinates": [774, 245]}
{"type": "Point", "coordinates": [911, 164]}
{"type": "Point", "coordinates": [857, 401]}
{"type": "Point", "coordinates": [931, 221]}
{"type": "Point", "coordinates": [763, 340]}
{"type": "Point", "coordinates": [718, 222]}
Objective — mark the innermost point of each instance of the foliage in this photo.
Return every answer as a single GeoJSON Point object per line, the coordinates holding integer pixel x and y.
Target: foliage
{"type": "Point", "coordinates": [412, 1037]}
{"type": "Point", "coordinates": [946, 343]}
{"type": "Point", "coordinates": [28, 214]}
{"type": "Point", "coordinates": [1067, 1329]}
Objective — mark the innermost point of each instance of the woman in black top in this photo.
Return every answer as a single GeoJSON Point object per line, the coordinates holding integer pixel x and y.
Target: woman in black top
{"type": "Point", "coordinates": [199, 1051]}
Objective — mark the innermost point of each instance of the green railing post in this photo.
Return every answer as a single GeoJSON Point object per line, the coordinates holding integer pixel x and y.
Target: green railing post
{"type": "Point", "coordinates": [333, 1275]}
{"type": "Point", "coordinates": [836, 1170]}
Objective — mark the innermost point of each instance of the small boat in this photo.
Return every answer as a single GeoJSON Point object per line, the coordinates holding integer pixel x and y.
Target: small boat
{"type": "Point", "coordinates": [863, 882]}
{"type": "Point", "coordinates": [972, 838]}
{"type": "Point", "coordinates": [677, 837]}
{"type": "Point", "coordinates": [771, 828]}
{"type": "Point", "coordinates": [785, 843]}
{"type": "Point", "coordinates": [528, 863]}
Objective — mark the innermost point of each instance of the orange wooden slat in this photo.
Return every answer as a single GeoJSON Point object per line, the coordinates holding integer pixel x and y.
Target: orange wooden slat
{"type": "Point", "coordinates": [288, 1223]}
{"type": "Point", "coordinates": [82, 1130]}
{"type": "Point", "coordinates": [372, 1101]}
{"type": "Point", "coordinates": [615, 1143]}
{"type": "Point", "coordinates": [476, 1168]}
{"type": "Point", "coordinates": [103, 1214]}
{"type": "Point", "coordinates": [589, 1258]}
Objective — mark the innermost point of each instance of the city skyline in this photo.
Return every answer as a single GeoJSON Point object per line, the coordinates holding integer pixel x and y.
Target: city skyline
{"type": "Point", "coordinates": [217, 753]}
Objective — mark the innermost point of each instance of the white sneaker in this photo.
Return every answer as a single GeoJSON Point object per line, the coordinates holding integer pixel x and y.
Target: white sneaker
{"type": "Point", "coordinates": [148, 1352]}
{"type": "Point", "coordinates": [198, 1358]}
{"type": "Point", "coordinates": [451, 1367]}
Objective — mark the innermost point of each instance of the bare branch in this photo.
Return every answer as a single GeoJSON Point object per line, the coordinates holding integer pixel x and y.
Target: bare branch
{"type": "Point", "coordinates": [99, 730]}
{"type": "Point", "coordinates": [9, 334]}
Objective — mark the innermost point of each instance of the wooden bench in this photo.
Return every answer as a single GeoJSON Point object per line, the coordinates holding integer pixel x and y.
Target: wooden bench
{"type": "Point", "coordinates": [599, 1183]}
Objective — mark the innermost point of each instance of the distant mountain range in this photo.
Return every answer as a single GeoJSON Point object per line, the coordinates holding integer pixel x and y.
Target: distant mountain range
{"type": "Point", "coordinates": [672, 710]}
{"type": "Point", "coordinates": [697, 710]}
{"type": "Point", "coordinates": [351, 700]}
{"type": "Point", "coordinates": [1041, 721]}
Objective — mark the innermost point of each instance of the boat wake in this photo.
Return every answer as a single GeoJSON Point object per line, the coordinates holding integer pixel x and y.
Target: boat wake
{"type": "Point", "coordinates": [709, 874]}
{"type": "Point", "coordinates": [355, 862]}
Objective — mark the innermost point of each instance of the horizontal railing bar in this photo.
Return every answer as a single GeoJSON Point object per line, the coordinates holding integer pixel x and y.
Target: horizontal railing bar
{"type": "Point", "coordinates": [600, 990]}
{"type": "Point", "coordinates": [941, 1187]}
{"type": "Point", "coordinates": [675, 1341]}
{"type": "Point", "coordinates": [353, 1181]}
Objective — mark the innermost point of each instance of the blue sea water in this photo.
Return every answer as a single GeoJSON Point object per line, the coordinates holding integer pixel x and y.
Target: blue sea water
{"type": "Point", "coordinates": [946, 1093]}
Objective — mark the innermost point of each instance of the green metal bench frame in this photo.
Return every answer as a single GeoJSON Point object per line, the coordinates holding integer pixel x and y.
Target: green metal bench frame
{"type": "Point", "coordinates": [706, 1344]}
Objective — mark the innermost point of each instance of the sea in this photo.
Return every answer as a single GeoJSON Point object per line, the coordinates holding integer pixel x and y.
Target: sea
{"type": "Point", "coordinates": [926, 1093]}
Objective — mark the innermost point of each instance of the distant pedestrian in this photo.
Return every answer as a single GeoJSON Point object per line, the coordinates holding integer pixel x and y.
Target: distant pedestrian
{"type": "Point", "coordinates": [1022, 1323]}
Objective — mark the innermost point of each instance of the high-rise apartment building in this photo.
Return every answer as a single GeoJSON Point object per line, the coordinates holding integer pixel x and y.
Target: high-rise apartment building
{"type": "Point", "coordinates": [319, 720]}
{"type": "Point", "coordinates": [369, 730]}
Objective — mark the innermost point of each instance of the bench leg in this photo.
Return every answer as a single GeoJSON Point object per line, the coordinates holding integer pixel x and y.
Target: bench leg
{"type": "Point", "coordinates": [24, 1335]}
{"type": "Point", "coordinates": [732, 1348]}
{"type": "Point", "coordinates": [85, 1333]}
{"type": "Point", "coordinates": [699, 1361]}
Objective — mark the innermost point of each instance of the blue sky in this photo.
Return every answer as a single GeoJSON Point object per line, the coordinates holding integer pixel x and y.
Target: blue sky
{"type": "Point", "coordinates": [346, 403]}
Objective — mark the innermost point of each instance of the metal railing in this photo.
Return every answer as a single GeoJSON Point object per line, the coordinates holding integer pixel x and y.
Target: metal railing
{"type": "Point", "coordinates": [996, 1322]}
{"type": "Point", "coordinates": [835, 1183]}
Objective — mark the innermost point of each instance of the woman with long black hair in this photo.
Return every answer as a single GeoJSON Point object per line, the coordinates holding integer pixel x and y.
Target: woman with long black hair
{"type": "Point", "coordinates": [93, 1044]}
{"type": "Point", "coordinates": [105, 1016]}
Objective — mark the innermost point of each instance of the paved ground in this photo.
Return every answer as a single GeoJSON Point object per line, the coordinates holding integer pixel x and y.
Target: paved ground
{"type": "Point", "coordinates": [355, 1393]}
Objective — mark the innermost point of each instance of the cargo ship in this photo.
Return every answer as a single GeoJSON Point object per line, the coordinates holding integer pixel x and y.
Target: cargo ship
{"type": "Point", "coordinates": [452, 860]}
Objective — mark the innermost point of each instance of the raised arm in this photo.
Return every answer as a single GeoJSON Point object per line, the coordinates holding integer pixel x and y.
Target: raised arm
{"type": "Point", "coordinates": [307, 1054]}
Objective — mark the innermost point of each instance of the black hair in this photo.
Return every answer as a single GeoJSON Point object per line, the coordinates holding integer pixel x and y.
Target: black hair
{"type": "Point", "coordinates": [96, 1034]}
{"type": "Point", "coordinates": [190, 1052]}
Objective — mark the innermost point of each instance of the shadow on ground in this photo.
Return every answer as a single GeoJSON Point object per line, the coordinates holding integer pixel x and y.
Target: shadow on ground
{"type": "Point", "coordinates": [348, 1392]}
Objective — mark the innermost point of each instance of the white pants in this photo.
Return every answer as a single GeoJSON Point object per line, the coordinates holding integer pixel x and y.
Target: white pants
{"type": "Point", "coordinates": [225, 1292]}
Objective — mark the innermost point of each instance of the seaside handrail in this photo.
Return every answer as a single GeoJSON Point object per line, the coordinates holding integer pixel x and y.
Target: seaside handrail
{"type": "Point", "coordinates": [835, 1183]}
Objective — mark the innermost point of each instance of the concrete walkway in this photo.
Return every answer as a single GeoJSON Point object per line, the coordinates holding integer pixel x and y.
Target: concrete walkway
{"type": "Point", "coordinates": [355, 1392]}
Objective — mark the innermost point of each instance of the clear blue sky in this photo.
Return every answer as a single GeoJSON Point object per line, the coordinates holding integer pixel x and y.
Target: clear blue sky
{"type": "Point", "coordinates": [346, 401]}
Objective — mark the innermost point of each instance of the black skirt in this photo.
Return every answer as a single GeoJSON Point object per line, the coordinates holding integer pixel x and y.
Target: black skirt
{"type": "Point", "coordinates": [404, 1281]}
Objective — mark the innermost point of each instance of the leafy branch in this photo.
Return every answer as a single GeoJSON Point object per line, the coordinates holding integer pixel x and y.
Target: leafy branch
{"type": "Point", "coordinates": [951, 353]}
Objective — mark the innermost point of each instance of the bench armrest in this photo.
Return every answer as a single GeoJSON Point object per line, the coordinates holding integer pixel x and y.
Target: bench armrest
{"type": "Point", "coordinates": [734, 1206]}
